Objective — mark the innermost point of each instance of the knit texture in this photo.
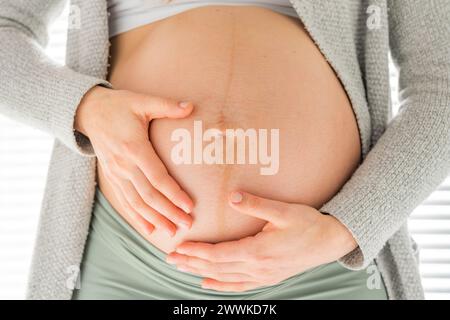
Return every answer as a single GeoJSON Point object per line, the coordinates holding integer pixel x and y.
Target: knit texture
{"type": "Point", "coordinates": [404, 159]}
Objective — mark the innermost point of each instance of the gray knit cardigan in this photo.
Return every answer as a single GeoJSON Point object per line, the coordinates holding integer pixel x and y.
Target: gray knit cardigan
{"type": "Point", "coordinates": [405, 158]}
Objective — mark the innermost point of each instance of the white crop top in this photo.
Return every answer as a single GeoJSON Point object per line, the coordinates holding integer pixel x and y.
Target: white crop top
{"type": "Point", "coordinates": [125, 15]}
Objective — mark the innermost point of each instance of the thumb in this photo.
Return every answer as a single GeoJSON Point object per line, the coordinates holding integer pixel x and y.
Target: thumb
{"type": "Point", "coordinates": [265, 209]}
{"type": "Point", "coordinates": [157, 107]}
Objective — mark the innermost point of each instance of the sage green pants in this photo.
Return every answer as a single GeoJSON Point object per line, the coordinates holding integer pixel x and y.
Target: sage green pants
{"type": "Point", "coordinates": [120, 264]}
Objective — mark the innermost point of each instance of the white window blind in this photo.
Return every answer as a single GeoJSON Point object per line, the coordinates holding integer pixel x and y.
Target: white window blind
{"type": "Point", "coordinates": [430, 227]}
{"type": "Point", "coordinates": [24, 156]}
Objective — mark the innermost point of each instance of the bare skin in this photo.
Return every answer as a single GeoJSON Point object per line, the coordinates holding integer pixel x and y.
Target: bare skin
{"type": "Point", "coordinates": [241, 67]}
{"type": "Point", "coordinates": [264, 259]}
{"type": "Point", "coordinates": [149, 196]}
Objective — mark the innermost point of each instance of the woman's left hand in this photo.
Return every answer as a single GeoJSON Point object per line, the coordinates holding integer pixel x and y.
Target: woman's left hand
{"type": "Point", "coordinates": [295, 238]}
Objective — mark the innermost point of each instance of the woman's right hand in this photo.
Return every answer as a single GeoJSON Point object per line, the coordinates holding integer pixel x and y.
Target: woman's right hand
{"type": "Point", "coordinates": [116, 123]}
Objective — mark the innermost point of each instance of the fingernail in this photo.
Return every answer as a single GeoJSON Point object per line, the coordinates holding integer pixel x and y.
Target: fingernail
{"type": "Point", "coordinates": [205, 286]}
{"type": "Point", "coordinates": [184, 104]}
{"type": "Point", "coordinates": [186, 208]}
{"type": "Point", "coordinates": [180, 250]}
{"type": "Point", "coordinates": [171, 233]}
{"type": "Point", "coordinates": [185, 225]}
{"type": "Point", "coordinates": [236, 197]}
{"type": "Point", "coordinates": [170, 260]}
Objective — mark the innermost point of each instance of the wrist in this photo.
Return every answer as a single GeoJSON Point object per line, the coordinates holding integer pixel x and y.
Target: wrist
{"type": "Point", "coordinates": [341, 236]}
{"type": "Point", "coordinates": [90, 103]}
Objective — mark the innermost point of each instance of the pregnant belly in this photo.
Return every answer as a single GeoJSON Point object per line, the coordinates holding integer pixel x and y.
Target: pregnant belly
{"type": "Point", "coordinates": [247, 70]}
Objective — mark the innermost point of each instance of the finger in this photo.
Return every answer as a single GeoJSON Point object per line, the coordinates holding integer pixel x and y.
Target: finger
{"type": "Point", "coordinates": [212, 284]}
{"type": "Point", "coordinates": [148, 213]}
{"type": "Point", "coordinates": [228, 251]}
{"type": "Point", "coordinates": [157, 201]}
{"type": "Point", "coordinates": [143, 225]}
{"type": "Point", "coordinates": [155, 171]}
{"type": "Point", "coordinates": [201, 264]}
{"type": "Point", "coordinates": [265, 209]}
{"type": "Point", "coordinates": [226, 277]}
{"type": "Point", "coordinates": [158, 107]}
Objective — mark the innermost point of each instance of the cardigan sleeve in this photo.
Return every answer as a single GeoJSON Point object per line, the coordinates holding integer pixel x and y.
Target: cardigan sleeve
{"type": "Point", "coordinates": [34, 89]}
{"type": "Point", "coordinates": [412, 157]}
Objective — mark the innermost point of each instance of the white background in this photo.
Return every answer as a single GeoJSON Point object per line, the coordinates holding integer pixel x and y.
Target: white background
{"type": "Point", "coordinates": [24, 156]}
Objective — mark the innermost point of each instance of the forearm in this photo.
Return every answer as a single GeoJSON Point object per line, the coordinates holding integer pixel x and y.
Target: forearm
{"type": "Point", "coordinates": [412, 157]}
{"type": "Point", "coordinates": [409, 161]}
{"type": "Point", "coordinates": [34, 89]}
